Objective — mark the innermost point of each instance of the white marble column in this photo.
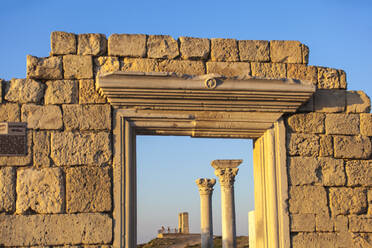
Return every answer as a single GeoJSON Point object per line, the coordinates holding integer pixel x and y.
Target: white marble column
{"type": "Point", "coordinates": [205, 186]}
{"type": "Point", "coordinates": [226, 170]}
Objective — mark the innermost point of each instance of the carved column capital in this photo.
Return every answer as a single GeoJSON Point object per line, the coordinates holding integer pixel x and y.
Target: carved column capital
{"type": "Point", "coordinates": [205, 185]}
{"type": "Point", "coordinates": [226, 176]}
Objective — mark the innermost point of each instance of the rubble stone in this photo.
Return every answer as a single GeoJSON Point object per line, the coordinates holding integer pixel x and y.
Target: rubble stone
{"type": "Point", "coordinates": [302, 223]}
{"type": "Point", "coordinates": [345, 201]}
{"type": "Point", "coordinates": [78, 66]}
{"type": "Point", "coordinates": [330, 100]}
{"type": "Point", "coordinates": [303, 170]}
{"type": "Point", "coordinates": [268, 70]}
{"type": "Point", "coordinates": [106, 64]}
{"type": "Point", "coordinates": [224, 50]}
{"type": "Point", "coordinates": [307, 123]}
{"type": "Point", "coordinates": [254, 50]}
{"type": "Point", "coordinates": [286, 51]}
{"type": "Point", "coordinates": [358, 147]}
{"type": "Point", "coordinates": [127, 45]}
{"type": "Point", "coordinates": [303, 145]}
{"type": "Point", "coordinates": [24, 91]}
{"type": "Point", "coordinates": [41, 149]}
{"type": "Point", "coordinates": [10, 112]}
{"type": "Point", "coordinates": [88, 92]}
{"type": "Point", "coordinates": [230, 69]}
{"type": "Point", "coordinates": [359, 172]}
{"type": "Point", "coordinates": [162, 47]}
{"type": "Point", "coordinates": [63, 43]}
{"type": "Point", "coordinates": [194, 48]}
{"type": "Point", "coordinates": [366, 124]}
{"type": "Point", "coordinates": [86, 117]}
{"type": "Point", "coordinates": [346, 124]}
{"type": "Point", "coordinates": [40, 190]}
{"type": "Point", "coordinates": [7, 189]}
{"type": "Point", "coordinates": [92, 44]}
{"type": "Point", "coordinates": [42, 117]}
{"type": "Point", "coordinates": [303, 72]}
{"type": "Point", "coordinates": [61, 91]}
{"type": "Point", "coordinates": [44, 68]}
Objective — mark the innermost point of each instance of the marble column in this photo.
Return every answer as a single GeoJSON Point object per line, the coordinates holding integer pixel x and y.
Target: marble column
{"type": "Point", "coordinates": [205, 186]}
{"type": "Point", "coordinates": [226, 170]}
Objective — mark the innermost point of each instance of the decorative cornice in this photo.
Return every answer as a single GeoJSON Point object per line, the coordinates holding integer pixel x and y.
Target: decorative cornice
{"type": "Point", "coordinates": [205, 185]}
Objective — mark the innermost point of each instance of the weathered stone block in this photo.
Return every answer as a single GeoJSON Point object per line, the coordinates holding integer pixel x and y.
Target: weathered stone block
{"type": "Point", "coordinates": [359, 172]}
{"type": "Point", "coordinates": [87, 117]}
{"type": "Point", "coordinates": [127, 45]}
{"type": "Point", "coordinates": [88, 92]}
{"type": "Point", "coordinates": [55, 229]}
{"type": "Point", "coordinates": [268, 70]}
{"type": "Point", "coordinates": [182, 67]}
{"type": "Point", "coordinates": [328, 78]}
{"type": "Point", "coordinates": [369, 196]}
{"type": "Point", "coordinates": [41, 149]}
{"type": "Point", "coordinates": [42, 117]}
{"type": "Point", "coordinates": [106, 64]}
{"type": "Point", "coordinates": [323, 223]}
{"type": "Point", "coordinates": [303, 144]}
{"type": "Point", "coordinates": [307, 106]}
{"type": "Point", "coordinates": [61, 91]}
{"type": "Point", "coordinates": [286, 51]}
{"type": "Point", "coordinates": [10, 112]}
{"type": "Point", "coordinates": [80, 148]}
{"type": "Point", "coordinates": [78, 66]}
{"type": "Point", "coordinates": [326, 146]}
{"type": "Point", "coordinates": [19, 160]}
{"type": "Point", "coordinates": [366, 124]}
{"type": "Point", "coordinates": [194, 48]}
{"type": "Point", "coordinates": [302, 223]}
{"type": "Point", "coordinates": [303, 72]}
{"type": "Point", "coordinates": [224, 50]}
{"type": "Point", "coordinates": [230, 69]}
{"type": "Point", "coordinates": [305, 54]}
{"type": "Point", "coordinates": [341, 223]}
{"type": "Point", "coordinates": [88, 189]}
{"type": "Point", "coordinates": [345, 201]}
{"type": "Point", "coordinates": [24, 91]}
{"type": "Point", "coordinates": [330, 100]}
{"type": "Point", "coordinates": [308, 200]}
{"type": "Point", "coordinates": [315, 240]}
{"type": "Point", "coordinates": [63, 43]}
{"type": "Point", "coordinates": [347, 124]}
{"type": "Point", "coordinates": [92, 44]}
{"type": "Point", "coordinates": [357, 102]}
{"type": "Point", "coordinates": [359, 147]}
{"type": "Point", "coordinates": [162, 47]}
{"type": "Point", "coordinates": [343, 82]}
{"type": "Point", "coordinates": [44, 68]}
{"type": "Point", "coordinates": [40, 190]}
{"type": "Point", "coordinates": [307, 123]}
{"type": "Point", "coordinates": [303, 170]}
{"type": "Point", "coordinates": [333, 172]}
{"type": "Point", "coordinates": [254, 50]}
{"type": "Point", "coordinates": [360, 223]}
{"type": "Point", "coordinates": [7, 189]}
{"type": "Point", "coordinates": [143, 65]}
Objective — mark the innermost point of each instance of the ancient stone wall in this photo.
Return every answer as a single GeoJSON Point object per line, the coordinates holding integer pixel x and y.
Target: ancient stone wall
{"type": "Point", "coordinates": [61, 192]}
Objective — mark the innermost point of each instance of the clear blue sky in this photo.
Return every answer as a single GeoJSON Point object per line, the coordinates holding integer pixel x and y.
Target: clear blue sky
{"type": "Point", "coordinates": [338, 32]}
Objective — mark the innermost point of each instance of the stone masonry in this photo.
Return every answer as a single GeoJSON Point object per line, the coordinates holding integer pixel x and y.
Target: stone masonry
{"type": "Point", "coordinates": [60, 193]}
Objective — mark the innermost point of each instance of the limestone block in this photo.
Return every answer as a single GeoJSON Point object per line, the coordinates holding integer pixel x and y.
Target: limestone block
{"type": "Point", "coordinates": [358, 147]}
{"type": "Point", "coordinates": [88, 189]}
{"type": "Point", "coordinates": [366, 124]}
{"type": "Point", "coordinates": [341, 223]}
{"type": "Point", "coordinates": [303, 170]}
{"type": "Point", "coordinates": [86, 117]}
{"type": "Point", "coordinates": [92, 44]}
{"type": "Point", "coordinates": [307, 106]}
{"type": "Point", "coordinates": [127, 45]}
{"type": "Point", "coordinates": [194, 48]}
{"type": "Point", "coordinates": [307, 123]}
{"type": "Point", "coordinates": [88, 92]}
{"type": "Point", "coordinates": [2, 82]}
{"type": "Point", "coordinates": [323, 223]}
{"type": "Point", "coordinates": [286, 51]}
{"type": "Point", "coordinates": [106, 64]}
{"type": "Point", "coordinates": [305, 53]}
{"type": "Point", "coordinates": [78, 66]}
{"type": "Point", "coordinates": [19, 160]}
{"type": "Point", "coordinates": [302, 222]}
{"type": "Point", "coordinates": [42, 117]}
{"type": "Point", "coordinates": [308, 200]}
{"type": "Point", "coordinates": [182, 67]}
{"type": "Point", "coordinates": [315, 240]}
{"type": "Point", "coordinates": [345, 201]}
{"type": "Point", "coordinates": [230, 69]}
{"type": "Point", "coordinates": [326, 146]}
{"type": "Point", "coordinates": [330, 100]}
{"type": "Point", "coordinates": [303, 144]}
{"type": "Point", "coordinates": [303, 72]}
{"type": "Point", "coordinates": [329, 78]}
{"type": "Point", "coordinates": [69, 148]}
{"type": "Point", "coordinates": [357, 102]}
{"type": "Point", "coordinates": [268, 70]}
{"type": "Point", "coordinates": [254, 50]}
{"type": "Point", "coordinates": [360, 223]}
{"type": "Point", "coordinates": [55, 229]}
{"type": "Point", "coordinates": [61, 91]}
{"type": "Point", "coordinates": [7, 189]}
{"type": "Point", "coordinates": [63, 43]}
{"type": "Point", "coordinates": [41, 149]}
{"type": "Point", "coordinates": [359, 172]}
{"type": "Point", "coordinates": [224, 50]}
{"type": "Point", "coordinates": [347, 124]}
{"type": "Point", "coordinates": [369, 196]}
{"type": "Point", "coordinates": [333, 172]}
{"type": "Point", "coordinates": [24, 91]}
{"type": "Point", "coordinates": [143, 65]}
{"type": "Point", "coordinates": [44, 68]}
{"type": "Point", "coordinates": [10, 112]}
{"type": "Point", "coordinates": [40, 190]}
{"type": "Point", "coordinates": [343, 82]}
{"type": "Point", "coordinates": [162, 47]}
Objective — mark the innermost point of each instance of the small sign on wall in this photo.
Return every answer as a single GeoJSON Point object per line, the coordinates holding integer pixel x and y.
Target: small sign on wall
{"type": "Point", "coordinates": [13, 139]}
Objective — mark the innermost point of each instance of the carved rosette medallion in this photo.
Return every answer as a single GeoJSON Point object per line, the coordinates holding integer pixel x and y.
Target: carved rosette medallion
{"type": "Point", "coordinates": [205, 185]}
{"type": "Point", "coordinates": [210, 83]}
{"type": "Point", "coordinates": [226, 176]}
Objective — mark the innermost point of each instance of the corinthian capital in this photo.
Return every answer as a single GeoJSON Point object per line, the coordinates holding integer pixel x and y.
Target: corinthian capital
{"type": "Point", "coordinates": [205, 185]}
{"type": "Point", "coordinates": [226, 170]}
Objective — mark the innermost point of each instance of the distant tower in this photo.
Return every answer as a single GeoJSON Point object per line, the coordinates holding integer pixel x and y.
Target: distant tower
{"type": "Point", "coordinates": [183, 222]}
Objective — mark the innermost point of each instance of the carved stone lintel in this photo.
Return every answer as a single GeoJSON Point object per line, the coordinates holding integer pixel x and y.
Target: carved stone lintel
{"type": "Point", "coordinates": [205, 185]}
{"type": "Point", "coordinates": [226, 176]}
